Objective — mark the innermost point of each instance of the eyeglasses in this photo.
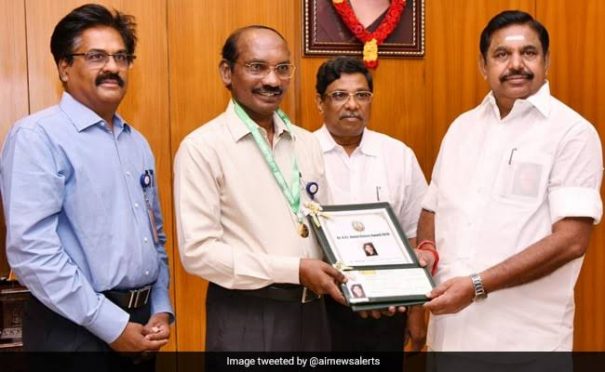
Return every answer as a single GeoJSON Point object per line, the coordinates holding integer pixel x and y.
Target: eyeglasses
{"type": "Point", "coordinates": [262, 69]}
{"type": "Point", "coordinates": [98, 58]}
{"type": "Point", "coordinates": [341, 96]}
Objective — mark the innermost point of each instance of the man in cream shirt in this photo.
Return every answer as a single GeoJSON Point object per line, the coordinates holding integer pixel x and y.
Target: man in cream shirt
{"type": "Point", "coordinates": [239, 198]}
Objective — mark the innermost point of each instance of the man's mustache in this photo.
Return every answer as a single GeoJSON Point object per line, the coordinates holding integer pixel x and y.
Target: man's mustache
{"type": "Point", "coordinates": [269, 89]}
{"type": "Point", "coordinates": [516, 73]}
{"type": "Point", "coordinates": [350, 115]}
{"type": "Point", "coordinates": [109, 76]}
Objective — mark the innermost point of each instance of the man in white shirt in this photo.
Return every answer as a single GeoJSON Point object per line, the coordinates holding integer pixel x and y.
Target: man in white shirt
{"type": "Point", "coordinates": [511, 204]}
{"type": "Point", "coordinates": [239, 198]}
{"type": "Point", "coordinates": [363, 166]}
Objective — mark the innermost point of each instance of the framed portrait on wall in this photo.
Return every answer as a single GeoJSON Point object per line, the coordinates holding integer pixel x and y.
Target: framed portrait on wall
{"type": "Point", "coordinates": [326, 33]}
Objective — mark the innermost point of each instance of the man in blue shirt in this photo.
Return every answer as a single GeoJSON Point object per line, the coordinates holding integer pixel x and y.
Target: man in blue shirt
{"type": "Point", "coordinates": [84, 227]}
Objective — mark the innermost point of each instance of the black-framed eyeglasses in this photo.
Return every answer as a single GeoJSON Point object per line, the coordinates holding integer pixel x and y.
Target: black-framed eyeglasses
{"type": "Point", "coordinates": [98, 58]}
{"type": "Point", "coordinates": [262, 69]}
{"type": "Point", "coordinates": [341, 96]}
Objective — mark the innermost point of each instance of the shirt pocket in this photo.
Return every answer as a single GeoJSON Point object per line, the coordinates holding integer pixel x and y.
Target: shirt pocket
{"type": "Point", "coordinates": [522, 178]}
{"type": "Point", "coordinates": [374, 181]}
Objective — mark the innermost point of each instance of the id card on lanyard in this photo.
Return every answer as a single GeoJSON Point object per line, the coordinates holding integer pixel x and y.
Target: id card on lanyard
{"type": "Point", "coordinates": [147, 185]}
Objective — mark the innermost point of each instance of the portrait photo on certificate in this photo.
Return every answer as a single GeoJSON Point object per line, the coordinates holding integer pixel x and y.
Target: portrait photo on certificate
{"type": "Point", "coordinates": [386, 285]}
{"type": "Point", "coordinates": [365, 238]}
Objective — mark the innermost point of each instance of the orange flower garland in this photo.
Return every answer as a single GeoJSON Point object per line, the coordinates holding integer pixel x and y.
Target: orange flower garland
{"type": "Point", "coordinates": [374, 39]}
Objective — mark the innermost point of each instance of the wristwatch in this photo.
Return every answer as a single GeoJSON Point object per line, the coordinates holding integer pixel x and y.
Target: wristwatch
{"type": "Point", "coordinates": [480, 292]}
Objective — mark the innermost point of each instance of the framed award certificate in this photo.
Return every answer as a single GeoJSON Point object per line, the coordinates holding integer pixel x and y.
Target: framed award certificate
{"type": "Point", "coordinates": [366, 242]}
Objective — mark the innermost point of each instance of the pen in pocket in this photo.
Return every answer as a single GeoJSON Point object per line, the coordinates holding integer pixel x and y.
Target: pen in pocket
{"type": "Point", "coordinates": [512, 152]}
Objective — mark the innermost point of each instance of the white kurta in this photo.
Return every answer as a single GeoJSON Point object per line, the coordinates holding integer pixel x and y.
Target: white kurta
{"type": "Point", "coordinates": [497, 187]}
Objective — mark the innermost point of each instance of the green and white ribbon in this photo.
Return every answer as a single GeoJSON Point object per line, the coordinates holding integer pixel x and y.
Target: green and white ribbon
{"type": "Point", "coordinates": [292, 191]}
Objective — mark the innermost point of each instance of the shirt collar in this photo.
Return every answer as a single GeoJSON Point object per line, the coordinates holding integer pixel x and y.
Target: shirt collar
{"type": "Point", "coordinates": [539, 100]}
{"type": "Point", "coordinates": [367, 146]}
{"type": "Point", "coordinates": [83, 117]}
{"type": "Point", "coordinates": [326, 142]}
{"type": "Point", "coordinates": [239, 129]}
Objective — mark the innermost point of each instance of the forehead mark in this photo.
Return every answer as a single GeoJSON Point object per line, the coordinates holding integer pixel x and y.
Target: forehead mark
{"type": "Point", "coordinates": [514, 37]}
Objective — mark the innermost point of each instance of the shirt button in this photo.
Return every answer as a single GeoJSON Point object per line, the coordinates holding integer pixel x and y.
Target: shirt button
{"type": "Point", "coordinates": [146, 272]}
{"type": "Point", "coordinates": [128, 173]}
{"type": "Point", "coordinates": [136, 205]}
{"type": "Point", "coordinates": [145, 239]}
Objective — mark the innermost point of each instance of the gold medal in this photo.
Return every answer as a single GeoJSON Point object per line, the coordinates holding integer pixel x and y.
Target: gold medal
{"type": "Point", "coordinates": [303, 230]}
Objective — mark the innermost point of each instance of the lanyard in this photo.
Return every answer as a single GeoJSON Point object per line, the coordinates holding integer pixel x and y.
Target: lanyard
{"type": "Point", "coordinates": [292, 192]}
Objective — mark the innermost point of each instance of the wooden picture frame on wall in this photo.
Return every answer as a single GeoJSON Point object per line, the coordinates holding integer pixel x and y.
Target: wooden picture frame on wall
{"type": "Point", "coordinates": [325, 33]}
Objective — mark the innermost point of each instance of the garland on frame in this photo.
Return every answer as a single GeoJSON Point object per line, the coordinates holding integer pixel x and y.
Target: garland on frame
{"type": "Point", "coordinates": [371, 40]}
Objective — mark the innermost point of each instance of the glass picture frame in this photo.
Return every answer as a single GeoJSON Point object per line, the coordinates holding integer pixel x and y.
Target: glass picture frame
{"type": "Point", "coordinates": [325, 34]}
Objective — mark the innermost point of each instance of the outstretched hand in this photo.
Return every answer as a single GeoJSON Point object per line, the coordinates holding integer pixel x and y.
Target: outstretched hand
{"type": "Point", "coordinates": [425, 258]}
{"type": "Point", "coordinates": [321, 278]}
{"type": "Point", "coordinates": [451, 296]}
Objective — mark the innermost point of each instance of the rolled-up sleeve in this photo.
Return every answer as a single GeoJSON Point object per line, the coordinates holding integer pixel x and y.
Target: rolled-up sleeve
{"type": "Point", "coordinates": [577, 175]}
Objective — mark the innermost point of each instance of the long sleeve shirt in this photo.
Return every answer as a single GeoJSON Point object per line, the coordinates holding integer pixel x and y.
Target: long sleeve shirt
{"type": "Point", "coordinates": [77, 218]}
{"type": "Point", "coordinates": [235, 227]}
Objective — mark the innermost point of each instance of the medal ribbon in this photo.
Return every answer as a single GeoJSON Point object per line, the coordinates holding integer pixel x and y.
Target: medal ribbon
{"type": "Point", "coordinates": [292, 192]}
